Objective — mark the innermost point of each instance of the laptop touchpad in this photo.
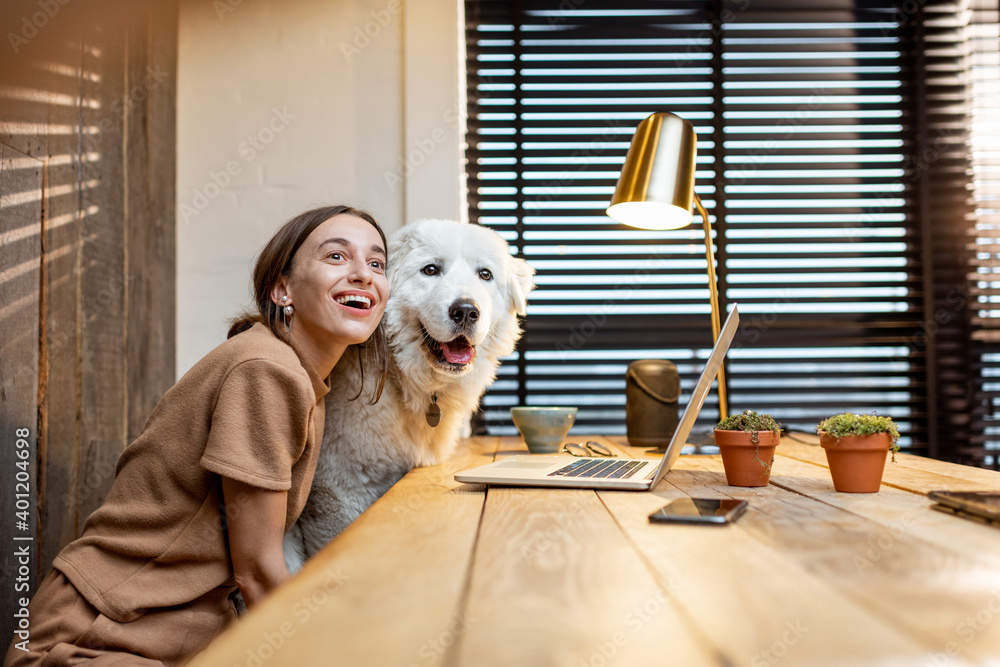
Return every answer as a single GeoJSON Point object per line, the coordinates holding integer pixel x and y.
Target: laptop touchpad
{"type": "Point", "coordinates": [524, 464]}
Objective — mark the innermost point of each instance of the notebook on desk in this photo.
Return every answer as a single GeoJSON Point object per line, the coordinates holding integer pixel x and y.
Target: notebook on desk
{"type": "Point", "coordinates": [608, 473]}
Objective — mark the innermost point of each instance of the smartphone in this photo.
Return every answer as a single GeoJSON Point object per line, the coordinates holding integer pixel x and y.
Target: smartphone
{"type": "Point", "coordinates": [712, 511]}
{"type": "Point", "coordinates": [984, 504]}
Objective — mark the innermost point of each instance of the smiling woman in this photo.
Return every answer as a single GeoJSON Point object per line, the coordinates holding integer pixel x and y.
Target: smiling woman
{"type": "Point", "coordinates": [223, 466]}
{"type": "Point", "coordinates": [344, 256]}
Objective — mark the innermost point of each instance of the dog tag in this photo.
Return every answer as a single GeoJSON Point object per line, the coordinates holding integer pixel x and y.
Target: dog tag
{"type": "Point", "coordinates": [433, 414]}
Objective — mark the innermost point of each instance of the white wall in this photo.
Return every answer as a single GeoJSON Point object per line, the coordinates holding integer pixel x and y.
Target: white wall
{"type": "Point", "coordinates": [285, 105]}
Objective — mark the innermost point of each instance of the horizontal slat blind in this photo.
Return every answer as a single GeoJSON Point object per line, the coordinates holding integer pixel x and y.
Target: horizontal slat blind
{"type": "Point", "coordinates": [983, 52]}
{"type": "Point", "coordinates": [804, 113]}
{"type": "Point", "coordinates": [819, 232]}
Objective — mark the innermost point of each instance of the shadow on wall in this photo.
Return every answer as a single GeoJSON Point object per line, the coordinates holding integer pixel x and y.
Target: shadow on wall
{"type": "Point", "coordinates": [87, 258]}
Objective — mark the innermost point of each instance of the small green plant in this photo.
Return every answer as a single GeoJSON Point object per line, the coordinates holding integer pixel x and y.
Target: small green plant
{"type": "Point", "coordinates": [749, 421]}
{"type": "Point", "coordinates": [848, 423]}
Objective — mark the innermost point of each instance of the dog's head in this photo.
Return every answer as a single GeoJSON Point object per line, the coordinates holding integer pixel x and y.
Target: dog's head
{"type": "Point", "coordinates": [456, 293]}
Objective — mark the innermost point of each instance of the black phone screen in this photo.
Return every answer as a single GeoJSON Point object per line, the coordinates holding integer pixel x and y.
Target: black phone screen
{"type": "Point", "coordinates": [700, 510]}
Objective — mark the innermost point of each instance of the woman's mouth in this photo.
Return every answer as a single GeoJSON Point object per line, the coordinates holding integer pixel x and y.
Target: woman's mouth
{"type": "Point", "coordinates": [354, 302]}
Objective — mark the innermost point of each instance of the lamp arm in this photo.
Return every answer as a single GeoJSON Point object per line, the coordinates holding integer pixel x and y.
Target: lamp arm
{"type": "Point", "coordinates": [713, 290]}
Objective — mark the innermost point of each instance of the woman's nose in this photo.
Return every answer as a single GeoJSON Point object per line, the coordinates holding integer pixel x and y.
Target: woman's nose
{"type": "Point", "coordinates": [361, 272]}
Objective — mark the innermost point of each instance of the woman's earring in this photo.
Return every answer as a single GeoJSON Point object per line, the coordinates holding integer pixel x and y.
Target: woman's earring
{"type": "Point", "coordinates": [286, 315]}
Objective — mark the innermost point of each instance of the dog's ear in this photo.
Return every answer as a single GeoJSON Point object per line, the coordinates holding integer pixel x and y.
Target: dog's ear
{"type": "Point", "coordinates": [401, 242]}
{"type": "Point", "coordinates": [519, 284]}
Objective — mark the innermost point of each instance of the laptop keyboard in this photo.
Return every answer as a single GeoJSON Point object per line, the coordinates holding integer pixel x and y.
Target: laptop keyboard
{"type": "Point", "coordinates": [599, 468]}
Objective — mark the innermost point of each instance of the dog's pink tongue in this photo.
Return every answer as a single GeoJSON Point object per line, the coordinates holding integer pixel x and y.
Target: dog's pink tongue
{"type": "Point", "coordinates": [457, 352]}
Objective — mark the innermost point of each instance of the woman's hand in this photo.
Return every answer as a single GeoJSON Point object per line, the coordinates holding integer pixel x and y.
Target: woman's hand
{"type": "Point", "coordinates": [256, 523]}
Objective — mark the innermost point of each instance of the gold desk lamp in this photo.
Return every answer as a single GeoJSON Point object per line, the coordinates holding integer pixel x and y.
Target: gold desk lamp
{"type": "Point", "coordinates": [656, 190]}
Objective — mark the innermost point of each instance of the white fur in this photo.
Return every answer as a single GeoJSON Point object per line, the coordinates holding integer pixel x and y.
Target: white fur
{"type": "Point", "coordinates": [367, 448]}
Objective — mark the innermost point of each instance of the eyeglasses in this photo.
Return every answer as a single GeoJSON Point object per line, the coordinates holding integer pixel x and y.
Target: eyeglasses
{"type": "Point", "coordinates": [589, 448]}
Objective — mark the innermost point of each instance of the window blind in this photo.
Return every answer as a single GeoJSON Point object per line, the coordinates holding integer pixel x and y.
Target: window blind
{"type": "Point", "coordinates": [810, 120]}
{"type": "Point", "coordinates": [983, 56]}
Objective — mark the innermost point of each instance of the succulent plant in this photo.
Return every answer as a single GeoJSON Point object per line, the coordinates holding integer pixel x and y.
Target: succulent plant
{"type": "Point", "coordinates": [749, 421]}
{"type": "Point", "coordinates": [849, 423]}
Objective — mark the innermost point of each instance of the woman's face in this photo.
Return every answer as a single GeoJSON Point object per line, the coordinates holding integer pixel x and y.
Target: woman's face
{"type": "Point", "coordinates": [337, 284]}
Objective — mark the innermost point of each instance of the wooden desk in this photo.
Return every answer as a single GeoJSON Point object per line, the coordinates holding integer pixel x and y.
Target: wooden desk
{"type": "Point", "coordinates": [440, 573]}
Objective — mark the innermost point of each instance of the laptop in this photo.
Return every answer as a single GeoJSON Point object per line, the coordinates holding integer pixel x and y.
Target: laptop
{"type": "Point", "coordinates": [603, 472]}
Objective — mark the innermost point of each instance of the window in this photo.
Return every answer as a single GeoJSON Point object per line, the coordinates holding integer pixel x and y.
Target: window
{"type": "Point", "coordinates": [983, 67]}
{"type": "Point", "coordinates": [832, 158]}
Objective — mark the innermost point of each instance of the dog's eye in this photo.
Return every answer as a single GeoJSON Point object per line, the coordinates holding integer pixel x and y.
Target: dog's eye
{"type": "Point", "coordinates": [430, 269]}
{"type": "Point", "coordinates": [485, 274]}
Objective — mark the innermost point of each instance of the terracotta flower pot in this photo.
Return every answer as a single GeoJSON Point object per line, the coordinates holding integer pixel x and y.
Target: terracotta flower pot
{"type": "Point", "coordinates": [856, 461]}
{"type": "Point", "coordinates": [747, 463]}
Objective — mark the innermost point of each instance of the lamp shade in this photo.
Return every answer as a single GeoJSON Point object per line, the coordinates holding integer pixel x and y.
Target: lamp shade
{"type": "Point", "coordinates": [656, 188]}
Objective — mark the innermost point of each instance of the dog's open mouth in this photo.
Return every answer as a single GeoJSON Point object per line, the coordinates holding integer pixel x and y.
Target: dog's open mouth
{"type": "Point", "coordinates": [455, 353]}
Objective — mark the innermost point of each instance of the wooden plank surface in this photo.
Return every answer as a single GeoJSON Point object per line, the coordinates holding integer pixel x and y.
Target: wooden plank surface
{"type": "Point", "coordinates": [757, 603]}
{"type": "Point", "coordinates": [20, 266]}
{"type": "Point", "coordinates": [552, 569]}
{"type": "Point", "coordinates": [878, 561]}
{"type": "Point", "coordinates": [59, 403]}
{"type": "Point", "coordinates": [386, 591]}
{"type": "Point", "coordinates": [574, 577]}
{"type": "Point", "coordinates": [151, 88]}
{"type": "Point", "coordinates": [897, 511]}
{"type": "Point", "coordinates": [555, 583]}
{"type": "Point", "coordinates": [103, 395]}
{"type": "Point", "coordinates": [910, 472]}
{"type": "Point", "coordinates": [62, 102]}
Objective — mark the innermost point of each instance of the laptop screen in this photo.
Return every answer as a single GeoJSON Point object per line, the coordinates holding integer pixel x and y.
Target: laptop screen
{"type": "Point", "coordinates": [698, 397]}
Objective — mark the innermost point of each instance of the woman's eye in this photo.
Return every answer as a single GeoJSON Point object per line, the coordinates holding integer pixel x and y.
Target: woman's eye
{"type": "Point", "coordinates": [377, 264]}
{"type": "Point", "coordinates": [430, 270]}
{"type": "Point", "coordinates": [335, 255]}
{"type": "Point", "coordinates": [486, 274]}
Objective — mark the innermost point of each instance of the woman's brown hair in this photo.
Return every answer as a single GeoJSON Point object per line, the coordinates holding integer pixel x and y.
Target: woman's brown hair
{"type": "Point", "coordinates": [275, 260]}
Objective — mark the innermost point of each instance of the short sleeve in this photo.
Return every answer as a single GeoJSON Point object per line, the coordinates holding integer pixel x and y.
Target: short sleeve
{"type": "Point", "coordinates": [260, 424]}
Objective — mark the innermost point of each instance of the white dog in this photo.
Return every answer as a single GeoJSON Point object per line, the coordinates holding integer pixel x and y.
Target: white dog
{"type": "Point", "coordinates": [455, 295]}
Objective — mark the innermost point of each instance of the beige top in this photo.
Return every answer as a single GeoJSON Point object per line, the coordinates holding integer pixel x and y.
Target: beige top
{"type": "Point", "coordinates": [249, 411]}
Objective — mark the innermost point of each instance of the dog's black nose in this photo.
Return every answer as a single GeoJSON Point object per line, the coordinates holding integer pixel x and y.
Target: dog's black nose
{"type": "Point", "coordinates": [464, 313]}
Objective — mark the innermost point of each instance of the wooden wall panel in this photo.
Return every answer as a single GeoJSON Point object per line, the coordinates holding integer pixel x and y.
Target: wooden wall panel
{"type": "Point", "coordinates": [152, 86]}
{"type": "Point", "coordinates": [89, 100]}
{"type": "Point", "coordinates": [103, 393]}
{"type": "Point", "coordinates": [58, 433]}
{"type": "Point", "coordinates": [20, 266]}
